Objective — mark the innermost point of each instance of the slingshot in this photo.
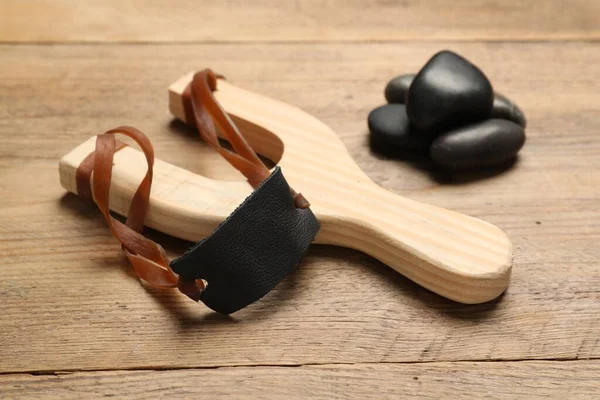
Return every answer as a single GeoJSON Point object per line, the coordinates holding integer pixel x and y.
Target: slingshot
{"type": "Point", "coordinates": [454, 255]}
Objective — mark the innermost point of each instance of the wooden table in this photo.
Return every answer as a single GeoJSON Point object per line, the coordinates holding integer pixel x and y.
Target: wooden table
{"type": "Point", "coordinates": [76, 322]}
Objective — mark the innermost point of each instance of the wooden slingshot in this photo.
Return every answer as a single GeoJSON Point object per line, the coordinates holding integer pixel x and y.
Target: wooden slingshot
{"type": "Point", "coordinates": [457, 256]}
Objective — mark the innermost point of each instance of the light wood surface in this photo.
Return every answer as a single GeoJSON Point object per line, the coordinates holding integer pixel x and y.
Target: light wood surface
{"type": "Point", "coordinates": [298, 20]}
{"type": "Point", "coordinates": [456, 256]}
{"type": "Point", "coordinates": [70, 302]}
{"type": "Point", "coordinates": [464, 380]}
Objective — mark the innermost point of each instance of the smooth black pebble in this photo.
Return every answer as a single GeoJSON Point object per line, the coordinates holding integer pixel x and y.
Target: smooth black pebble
{"type": "Point", "coordinates": [503, 108]}
{"type": "Point", "coordinates": [449, 91]}
{"type": "Point", "coordinates": [397, 88]}
{"type": "Point", "coordinates": [389, 124]}
{"type": "Point", "coordinates": [482, 144]}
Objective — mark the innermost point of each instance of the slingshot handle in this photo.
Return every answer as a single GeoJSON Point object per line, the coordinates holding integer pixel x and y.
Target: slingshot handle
{"type": "Point", "coordinates": [459, 257]}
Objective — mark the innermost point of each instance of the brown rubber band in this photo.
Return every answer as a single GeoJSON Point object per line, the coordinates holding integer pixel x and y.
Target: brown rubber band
{"type": "Point", "coordinates": [204, 111]}
{"type": "Point", "coordinates": [148, 258]}
{"type": "Point", "coordinates": [84, 173]}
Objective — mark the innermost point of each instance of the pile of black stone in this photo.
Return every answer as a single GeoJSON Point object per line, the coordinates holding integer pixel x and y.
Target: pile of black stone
{"type": "Point", "coordinates": [449, 109]}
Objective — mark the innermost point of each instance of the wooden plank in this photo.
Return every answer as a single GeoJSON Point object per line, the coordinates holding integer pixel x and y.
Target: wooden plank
{"type": "Point", "coordinates": [303, 20]}
{"type": "Point", "coordinates": [461, 380]}
{"type": "Point", "coordinates": [69, 298]}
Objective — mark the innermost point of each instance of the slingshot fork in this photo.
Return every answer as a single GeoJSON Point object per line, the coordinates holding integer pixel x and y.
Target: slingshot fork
{"type": "Point", "coordinates": [457, 256]}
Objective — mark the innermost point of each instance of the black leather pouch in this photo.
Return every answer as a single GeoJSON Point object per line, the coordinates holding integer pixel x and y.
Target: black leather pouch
{"type": "Point", "coordinates": [248, 254]}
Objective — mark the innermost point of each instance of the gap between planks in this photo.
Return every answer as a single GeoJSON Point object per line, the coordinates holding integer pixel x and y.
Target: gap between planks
{"type": "Point", "coordinates": [299, 365]}
{"type": "Point", "coordinates": [508, 40]}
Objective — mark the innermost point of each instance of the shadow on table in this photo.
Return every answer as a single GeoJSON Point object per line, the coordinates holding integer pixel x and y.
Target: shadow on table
{"type": "Point", "coordinates": [171, 299]}
{"type": "Point", "coordinates": [284, 294]}
{"type": "Point", "coordinates": [188, 317]}
{"type": "Point", "coordinates": [420, 160]}
{"type": "Point", "coordinates": [407, 290]}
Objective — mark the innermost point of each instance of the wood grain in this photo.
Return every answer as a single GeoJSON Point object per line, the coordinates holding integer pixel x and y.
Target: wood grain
{"type": "Point", "coordinates": [298, 21]}
{"type": "Point", "coordinates": [462, 380]}
{"type": "Point", "coordinates": [70, 302]}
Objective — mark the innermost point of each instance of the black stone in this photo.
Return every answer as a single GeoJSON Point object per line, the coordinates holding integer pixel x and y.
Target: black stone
{"type": "Point", "coordinates": [505, 109]}
{"type": "Point", "coordinates": [389, 124]}
{"type": "Point", "coordinates": [397, 88]}
{"type": "Point", "coordinates": [449, 91]}
{"type": "Point", "coordinates": [482, 144]}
